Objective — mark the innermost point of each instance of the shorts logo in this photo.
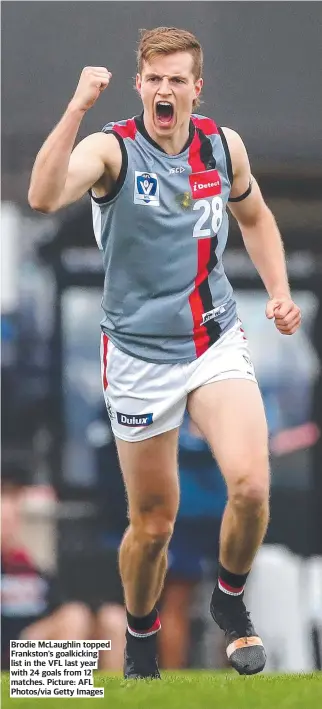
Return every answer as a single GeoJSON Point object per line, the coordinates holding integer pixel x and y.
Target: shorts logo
{"type": "Point", "coordinates": [109, 410]}
{"type": "Point", "coordinates": [211, 314]}
{"type": "Point", "coordinates": [205, 184]}
{"type": "Point", "coordinates": [146, 188]}
{"type": "Point", "coordinates": [248, 360]}
{"type": "Point", "coordinates": [126, 420]}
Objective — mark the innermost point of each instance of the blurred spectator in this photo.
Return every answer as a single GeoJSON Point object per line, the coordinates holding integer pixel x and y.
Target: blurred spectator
{"type": "Point", "coordinates": [30, 606]}
{"type": "Point", "coordinates": [90, 579]}
{"type": "Point", "coordinates": [34, 606]}
{"type": "Point", "coordinates": [194, 542]}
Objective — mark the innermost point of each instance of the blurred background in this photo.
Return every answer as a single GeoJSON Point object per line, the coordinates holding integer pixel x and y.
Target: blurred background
{"type": "Point", "coordinates": [63, 505]}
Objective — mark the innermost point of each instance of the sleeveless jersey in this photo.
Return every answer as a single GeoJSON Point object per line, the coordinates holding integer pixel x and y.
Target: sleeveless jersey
{"type": "Point", "coordinates": [163, 230]}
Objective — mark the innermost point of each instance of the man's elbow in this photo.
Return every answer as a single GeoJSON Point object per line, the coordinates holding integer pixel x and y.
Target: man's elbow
{"type": "Point", "coordinates": [40, 205]}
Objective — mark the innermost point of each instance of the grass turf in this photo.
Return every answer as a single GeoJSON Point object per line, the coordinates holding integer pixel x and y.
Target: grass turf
{"type": "Point", "coordinates": [189, 690]}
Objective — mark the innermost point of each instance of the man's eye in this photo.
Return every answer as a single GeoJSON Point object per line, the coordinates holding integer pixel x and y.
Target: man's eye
{"type": "Point", "coordinates": [177, 80]}
{"type": "Point", "coordinates": [153, 78]}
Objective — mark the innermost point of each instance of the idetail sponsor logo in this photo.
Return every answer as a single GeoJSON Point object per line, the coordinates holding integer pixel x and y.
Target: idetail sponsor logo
{"type": "Point", "coordinates": [132, 420]}
{"type": "Point", "coordinates": [205, 184]}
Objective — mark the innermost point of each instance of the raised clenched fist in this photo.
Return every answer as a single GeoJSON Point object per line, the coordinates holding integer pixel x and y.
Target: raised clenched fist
{"type": "Point", "coordinates": [93, 80]}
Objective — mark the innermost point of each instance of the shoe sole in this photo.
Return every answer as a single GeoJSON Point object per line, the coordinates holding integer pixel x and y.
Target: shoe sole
{"type": "Point", "coordinates": [247, 655]}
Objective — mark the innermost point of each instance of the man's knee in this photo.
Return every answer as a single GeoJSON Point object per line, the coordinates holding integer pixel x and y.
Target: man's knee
{"type": "Point", "coordinates": [250, 489]}
{"type": "Point", "coordinates": [153, 531]}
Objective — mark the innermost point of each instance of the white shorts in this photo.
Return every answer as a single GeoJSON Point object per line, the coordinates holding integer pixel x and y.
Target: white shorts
{"type": "Point", "coordinates": [144, 399]}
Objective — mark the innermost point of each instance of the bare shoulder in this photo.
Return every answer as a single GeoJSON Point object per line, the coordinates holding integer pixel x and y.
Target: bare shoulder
{"type": "Point", "coordinates": [238, 155]}
{"type": "Point", "coordinates": [245, 201]}
{"type": "Point", "coordinates": [103, 145]}
{"type": "Point", "coordinates": [235, 143]}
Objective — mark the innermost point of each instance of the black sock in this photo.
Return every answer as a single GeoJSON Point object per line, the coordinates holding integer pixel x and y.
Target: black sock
{"type": "Point", "coordinates": [229, 583]}
{"type": "Point", "coordinates": [143, 626]}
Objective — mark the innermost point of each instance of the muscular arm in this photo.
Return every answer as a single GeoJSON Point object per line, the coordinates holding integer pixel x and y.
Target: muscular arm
{"type": "Point", "coordinates": [62, 175]}
{"type": "Point", "coordinates": [259, 230]}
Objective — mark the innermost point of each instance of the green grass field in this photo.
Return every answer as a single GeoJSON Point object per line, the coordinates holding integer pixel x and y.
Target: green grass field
{"type": "Point", "coordinates": [190, 690]}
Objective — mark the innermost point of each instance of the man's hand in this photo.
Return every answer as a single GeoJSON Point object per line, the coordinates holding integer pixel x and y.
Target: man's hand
{"type": "Point", "coordinates": [93, 80]}
{"type": "Point", "coordinates": [286, 314]}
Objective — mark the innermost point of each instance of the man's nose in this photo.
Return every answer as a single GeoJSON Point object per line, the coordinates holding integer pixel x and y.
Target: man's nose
{"type": "Point", "coordinates": [164, 88]}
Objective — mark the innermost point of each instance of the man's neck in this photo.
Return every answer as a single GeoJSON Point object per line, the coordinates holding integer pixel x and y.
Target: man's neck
{"type": "Point", "coordinates": [172, 145]}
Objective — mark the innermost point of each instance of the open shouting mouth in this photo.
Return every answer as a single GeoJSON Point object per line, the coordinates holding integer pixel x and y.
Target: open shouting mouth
{"type": "Point", "coordinates": [164, 113]}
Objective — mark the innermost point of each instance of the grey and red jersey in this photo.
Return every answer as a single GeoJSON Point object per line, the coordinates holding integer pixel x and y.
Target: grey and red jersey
{"type": "Point", "coordinates": [163, 231]}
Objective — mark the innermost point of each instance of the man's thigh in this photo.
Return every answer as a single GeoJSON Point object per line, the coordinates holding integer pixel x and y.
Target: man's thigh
{"type": "Point", "coordinates": [230, 414]}
{"type": "Point", "coordinates": [143, 399]}
{"type": "Point", "coordinates": [150, 473]}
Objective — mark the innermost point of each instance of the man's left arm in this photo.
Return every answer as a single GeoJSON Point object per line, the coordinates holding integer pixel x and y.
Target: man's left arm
{"type": "Point", "coordinates": [261, 237]}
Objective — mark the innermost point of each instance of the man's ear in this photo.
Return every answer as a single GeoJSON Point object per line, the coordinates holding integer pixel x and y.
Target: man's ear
{"type": "Point", "coordinates": [198, 87]}
{"type": "Point", "coordinates": [138, 83]}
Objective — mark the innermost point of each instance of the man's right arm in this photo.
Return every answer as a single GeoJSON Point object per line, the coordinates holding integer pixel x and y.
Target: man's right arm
{"type": "Point", "coordinates": [60, 174]}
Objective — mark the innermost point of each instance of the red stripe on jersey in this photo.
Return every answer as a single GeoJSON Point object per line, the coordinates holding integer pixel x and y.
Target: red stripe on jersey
{"type": "Point", "coordinates": [207, 125]}
{"type": "Point", "coordinates": [127, 131]}
{"type": "Point", "coordinates": [200, 334]}
{"type": "Point", "coordinates": [105, 348]}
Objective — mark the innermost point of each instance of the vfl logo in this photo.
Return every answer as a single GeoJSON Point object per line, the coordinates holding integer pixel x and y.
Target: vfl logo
{"type": "Point", "coordinates": [146, 188]}
{"type": "Point", "coordinates": [211, 314]}
{"type": "Point", "coordinates": [205, 184]}
{"type": "Point", "coordinates": [126, 420]}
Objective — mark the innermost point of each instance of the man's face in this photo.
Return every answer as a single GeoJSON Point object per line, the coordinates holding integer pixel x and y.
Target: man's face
{"type": "Point", "coordinates": [168, 88]}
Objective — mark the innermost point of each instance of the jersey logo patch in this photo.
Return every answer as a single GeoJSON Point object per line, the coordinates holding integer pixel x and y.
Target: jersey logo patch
{"type": "Point", "coordinates": [146, 188]}
{"type": "Point", "coordinates": [176, 170]}
{"type": "Point", "coordinates": [212, 314]}
{"type": "Point", "coordinates": [184, 200]}
{"type": "Point", "coordinates": [205, 184]}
